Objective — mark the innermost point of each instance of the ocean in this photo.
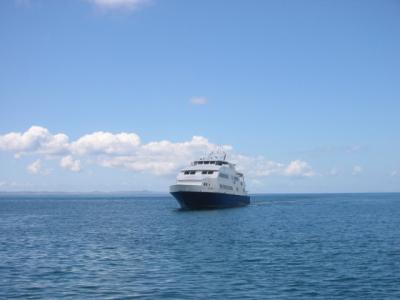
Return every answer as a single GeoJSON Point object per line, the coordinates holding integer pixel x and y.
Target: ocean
{"type": "Point", "coordinates": [295, 246]}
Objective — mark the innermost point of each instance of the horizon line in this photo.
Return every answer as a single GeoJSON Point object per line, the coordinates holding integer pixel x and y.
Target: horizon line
{"type": "Point", "coordinates": [167, 193]}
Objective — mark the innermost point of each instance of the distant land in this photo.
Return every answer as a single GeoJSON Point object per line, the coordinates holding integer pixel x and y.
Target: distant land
{"type": "Point", "coordinates": [143, 193]}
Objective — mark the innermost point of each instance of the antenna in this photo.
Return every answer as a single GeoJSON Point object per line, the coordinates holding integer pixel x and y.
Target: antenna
{"type": "Point", "coordinates": [217, 154]}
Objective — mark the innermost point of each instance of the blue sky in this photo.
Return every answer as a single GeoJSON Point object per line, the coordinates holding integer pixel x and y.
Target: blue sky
{"type": "Point", "coordinates": [307, 91]}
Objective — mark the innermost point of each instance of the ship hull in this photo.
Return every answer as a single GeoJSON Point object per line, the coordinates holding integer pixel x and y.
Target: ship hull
{"type": "Point", "coordinates": [207, 200]}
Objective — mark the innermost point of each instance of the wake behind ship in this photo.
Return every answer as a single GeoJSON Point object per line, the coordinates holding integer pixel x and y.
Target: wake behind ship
{"type": "Point", "coordinates": [211, 182]}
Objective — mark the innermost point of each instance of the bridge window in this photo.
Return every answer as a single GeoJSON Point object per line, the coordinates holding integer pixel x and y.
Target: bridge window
{"type": "Point", "coordinates": [192, 172]}
{"type": "Point", "coordinates": [207, 172]}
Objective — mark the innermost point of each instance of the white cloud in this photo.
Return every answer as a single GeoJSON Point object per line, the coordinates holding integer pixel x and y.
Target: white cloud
{"type": "Point", "coordinates": [106, 143]}
{"type": "Point", "coordinates": [125, 150]}
{"type": "Point", "coordinates": [35, 167]}
{"type": "Point", "coordinates": [357, 170]}
{"type": "Point", "coordinates": [67, 162]}
{"type": "Point", "coordinates": [35, 139]}
{"type": "Point", "coordinates": [257, 166]}
{"type": "Point", "coordinates": [299, 168]}
{"type": "Point", "coordinates": [119, 4]}
{"type": "Point", "coordinates": [161, 157]}
{"type": "Point", "coordinates": [198, 100]}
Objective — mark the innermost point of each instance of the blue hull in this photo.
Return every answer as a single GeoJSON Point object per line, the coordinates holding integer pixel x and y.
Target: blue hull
{"type": "Point", "coordinates": [204, 200]}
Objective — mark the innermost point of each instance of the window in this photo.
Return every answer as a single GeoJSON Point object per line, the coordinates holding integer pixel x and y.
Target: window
{"type": "Point", "coordinates": [212, 162]}
{"type": "Point", "coordinates": [200, 162]}
{"type": "Point", "coordinates": [206, 162]}
{"type": "Point", "coordinates": [222, 175]}
{"type": "Point", "coordinates": [186, 172]}
{"type": "Point", "coordinates": [219, 163]}
{"type": "Point", "coordinates": [207, 172]}
{"type": "Point", "coordinates": [226, 187]}
{"type": "Point", "coordinates": [192, 172]}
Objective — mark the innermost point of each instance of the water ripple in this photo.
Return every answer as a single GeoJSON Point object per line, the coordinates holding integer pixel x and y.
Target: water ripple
{"type": "Point", "coordinates": [280, 247]}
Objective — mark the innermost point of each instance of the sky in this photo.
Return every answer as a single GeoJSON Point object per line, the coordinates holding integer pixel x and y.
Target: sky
{"type": "Point", "coordinates": [119, 95]}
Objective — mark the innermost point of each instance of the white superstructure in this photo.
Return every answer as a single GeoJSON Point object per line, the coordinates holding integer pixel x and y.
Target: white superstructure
{"type": "Point", "coordinates": [212, 174]}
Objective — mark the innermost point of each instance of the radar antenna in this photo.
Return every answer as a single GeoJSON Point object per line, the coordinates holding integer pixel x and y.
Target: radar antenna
{"type": "Point", "coordinates": [219, 154]}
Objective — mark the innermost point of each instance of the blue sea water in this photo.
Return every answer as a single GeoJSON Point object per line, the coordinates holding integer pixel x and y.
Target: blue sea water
{"type": "Point", "coordinates": [329, 246]}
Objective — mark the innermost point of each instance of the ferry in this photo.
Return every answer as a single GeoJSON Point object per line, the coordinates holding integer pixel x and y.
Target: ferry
{"type": "Point", "coordinates": [210, 183]}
